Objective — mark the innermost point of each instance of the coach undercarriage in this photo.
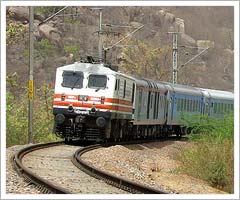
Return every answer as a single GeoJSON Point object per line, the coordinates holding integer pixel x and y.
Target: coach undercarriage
{"type": "Point", "coordinates": [100, 129]}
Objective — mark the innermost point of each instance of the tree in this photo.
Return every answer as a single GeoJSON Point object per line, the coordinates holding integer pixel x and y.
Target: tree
{"type": "Point", "coordinates": [146, 61]}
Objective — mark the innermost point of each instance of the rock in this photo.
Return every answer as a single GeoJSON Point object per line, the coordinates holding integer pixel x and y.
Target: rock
{"type": "Point", "coordinates": [52, 34]}
{"type": "Point", "coordinates": [21, 13]}
{"type": "Point", "coordinates": [162, 13]}
{"type": "Point", "coordinates": [229, 52]}
{"type": "Point", "coordinates": [170, 17]}
{"type": "Point", "coordinates": [179, 25]}
{"type": "Point", "coordinates": [135, 24]}
{"type": "Point", "coordinates": [204, 44]}
{"type": "Point", "coordinates": [187, 40]}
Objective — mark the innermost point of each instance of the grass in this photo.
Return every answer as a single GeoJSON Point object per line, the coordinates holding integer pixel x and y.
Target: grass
{"type": "Point", "coordinates": [211, 157]}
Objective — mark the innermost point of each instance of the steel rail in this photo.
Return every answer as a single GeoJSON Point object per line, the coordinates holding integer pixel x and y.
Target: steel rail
{"type": "Point", "coordinates": [43, 184]}
{"type": "Point", "coordinates": [111, 179]}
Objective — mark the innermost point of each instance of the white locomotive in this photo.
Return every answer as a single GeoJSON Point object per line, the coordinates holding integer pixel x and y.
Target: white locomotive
{"type": "Point", "coordinates": [94, 102]}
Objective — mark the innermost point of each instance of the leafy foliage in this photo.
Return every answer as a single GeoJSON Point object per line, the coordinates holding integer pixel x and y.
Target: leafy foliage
{"type": "Point", "coordinates": [211, 157]}
{"type": "Point", "coordinates": [74, 49]}
{"type": "Point", "coordinates": [146, 61]}
{"type": "Point", "coordinates": [17, 114]}
{"type": "Point", "coordinates": [47, 10]}
{"type": "Point", "coordinates": [15, 32]}
{"type": "Point", "coordinates": [45, 48]}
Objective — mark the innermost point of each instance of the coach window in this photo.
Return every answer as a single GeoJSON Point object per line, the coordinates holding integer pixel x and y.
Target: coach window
{"type": "Point", "coordinates": [181, 105]}
{"type": "Point", "coordinates": [133, 91]}
{"type": "Point", "coordinates": [190, 105]}
{"type": "Point", "coordinates": [116, 84]}
{"type": "Point", "coordinates": [187, 105]}
{"type": "Point", "coordinates": [160, 101]}
{"type": "Point", "coordinates": [177, 104]}
{"type": "Point", "coordinates": [97, 81]}
{"type": "Point", "coordinates": [184, 104]}
{"type": "Point", "coordinates": [151, 100]}
{"type": "Point", "coordinates": [124, 89]}
{"type": "Point", "coordinates": [72, 79]}
{"type": "Point", "coordinates": [215, 108]}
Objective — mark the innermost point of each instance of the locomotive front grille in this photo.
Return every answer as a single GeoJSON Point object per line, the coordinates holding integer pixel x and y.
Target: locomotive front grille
{"type": "Point", "coordinates": [93, 134]}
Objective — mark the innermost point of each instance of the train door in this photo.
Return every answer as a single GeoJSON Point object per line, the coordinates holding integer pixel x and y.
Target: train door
{"type": "Point", "coordinates": [117, 91]}
{"type": "Point", "coordinates": [207, 104]}
{"type": "Point", "coordinates": [169, 97]}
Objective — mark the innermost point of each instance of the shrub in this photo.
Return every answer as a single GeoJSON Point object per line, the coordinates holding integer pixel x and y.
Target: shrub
{"type": "Point", "coordinates": [17, 115]}
{"type": "Point", "coordinates": [74, 49]}
{"type": "Point", "coordinates": [211, 157]}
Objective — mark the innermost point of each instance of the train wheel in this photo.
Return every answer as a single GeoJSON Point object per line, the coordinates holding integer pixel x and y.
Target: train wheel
{"type": "Point", "coordinates": [115, 131]}
{"type": "Point", "coordinates": [67, 140]}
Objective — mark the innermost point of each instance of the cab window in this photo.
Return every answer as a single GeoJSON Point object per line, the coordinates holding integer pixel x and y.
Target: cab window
{"type": "Point", "coordinates": [97, 81]}
{"type": "Point", "coordinates": [72, 79]}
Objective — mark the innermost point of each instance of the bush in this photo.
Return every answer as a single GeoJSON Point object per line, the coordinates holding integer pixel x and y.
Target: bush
{"type": "Point", "coordinates": [74, 49]}
{"type": "Point", "coordinates": [17, 115]}
{"type": "Point", "coordinates": [211, 157]}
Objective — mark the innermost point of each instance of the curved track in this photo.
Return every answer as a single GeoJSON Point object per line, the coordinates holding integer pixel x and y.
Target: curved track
{"type": "Point", "coordinates": [48, 187]}
{"type": "Point", "coordinates": [44, 185]}
{"type": "Point", "coordinates": [116, 181]}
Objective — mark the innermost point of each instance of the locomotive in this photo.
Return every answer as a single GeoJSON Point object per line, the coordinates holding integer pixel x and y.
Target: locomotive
{"type": "Point", "coordinates": [93, 101]}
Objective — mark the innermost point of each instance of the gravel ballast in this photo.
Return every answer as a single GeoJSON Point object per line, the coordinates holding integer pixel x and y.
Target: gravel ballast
{"type": "Point", "coordinates": [153, 164]}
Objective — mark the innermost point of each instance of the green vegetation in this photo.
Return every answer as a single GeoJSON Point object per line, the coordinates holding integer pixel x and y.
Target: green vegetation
{"type": "Point", "coordinates": [211, 157]}
{"type": "Point", "coordinates": [17, 113]}
{"type": "Point", "coordinates": [74, 49]}
{"type": "Point", "coordinates": [146, 61]}
{"type": "Point", "coordinates": [47, 10]}
{"type": "Point", "coordinates": [15, 32]}
{"type": "Point", "coordinates": [45, 48]}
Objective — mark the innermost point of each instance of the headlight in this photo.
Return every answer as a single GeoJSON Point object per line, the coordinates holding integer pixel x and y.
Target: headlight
{"type": "Point", "coordinates": [83, 98]}
{"type": "Point", "coordinates": [59, 118]}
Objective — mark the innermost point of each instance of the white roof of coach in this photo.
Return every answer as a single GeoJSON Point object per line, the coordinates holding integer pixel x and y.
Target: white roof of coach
{"type": "Point", "coordinates": [219, 94]}
{"type": "Point", "coordinates": [183, 89]}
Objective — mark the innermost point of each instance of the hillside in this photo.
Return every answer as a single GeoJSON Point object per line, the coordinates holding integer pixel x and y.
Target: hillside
{"type": "Point", "coordinates": [64, 39]}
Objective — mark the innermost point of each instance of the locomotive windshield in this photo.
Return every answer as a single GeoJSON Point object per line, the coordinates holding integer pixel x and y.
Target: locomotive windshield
{"type": "Point", "coordinates": [72, 79]}
{"type": "Point", "coordinates": [97, 81]}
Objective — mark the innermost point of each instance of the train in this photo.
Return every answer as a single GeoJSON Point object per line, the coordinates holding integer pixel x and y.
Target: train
{"type": "Point", "coordinates": [94, 101]}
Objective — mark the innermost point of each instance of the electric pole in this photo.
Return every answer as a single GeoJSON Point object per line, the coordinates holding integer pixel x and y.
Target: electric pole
{"type": "Point", "coordinates": [174, 56]}
{"type": "Point", "coordinates": [30, 82]}
{"type": "Point", "coordinates": [102, 51]}
{"type": "Point", "coordinates": [100, 45]}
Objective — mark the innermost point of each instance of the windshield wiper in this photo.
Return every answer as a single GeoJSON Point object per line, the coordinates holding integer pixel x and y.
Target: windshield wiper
{"type": "Point", "coordinates": [97, 89]}
{"type": "Point", "coordinates": [100, 88]}
{"type": "Point", "coordinates": [76, 82]}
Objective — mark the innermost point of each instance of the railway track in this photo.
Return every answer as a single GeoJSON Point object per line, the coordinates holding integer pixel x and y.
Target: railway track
{"type": "Point", "coordinates": [42, 184]}
{"type": "Point", "coordinates": [111, 179]}
{"type": "Point", "coordinates": [47, 186]}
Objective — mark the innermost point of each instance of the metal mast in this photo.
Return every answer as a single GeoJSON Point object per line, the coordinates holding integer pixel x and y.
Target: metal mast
{"type": "Point", "coordinates": [30, 83]}
{"type": "Point", "coordinates": [174, 57]}
{"type": "Point", "coordinates": [100, 45]}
